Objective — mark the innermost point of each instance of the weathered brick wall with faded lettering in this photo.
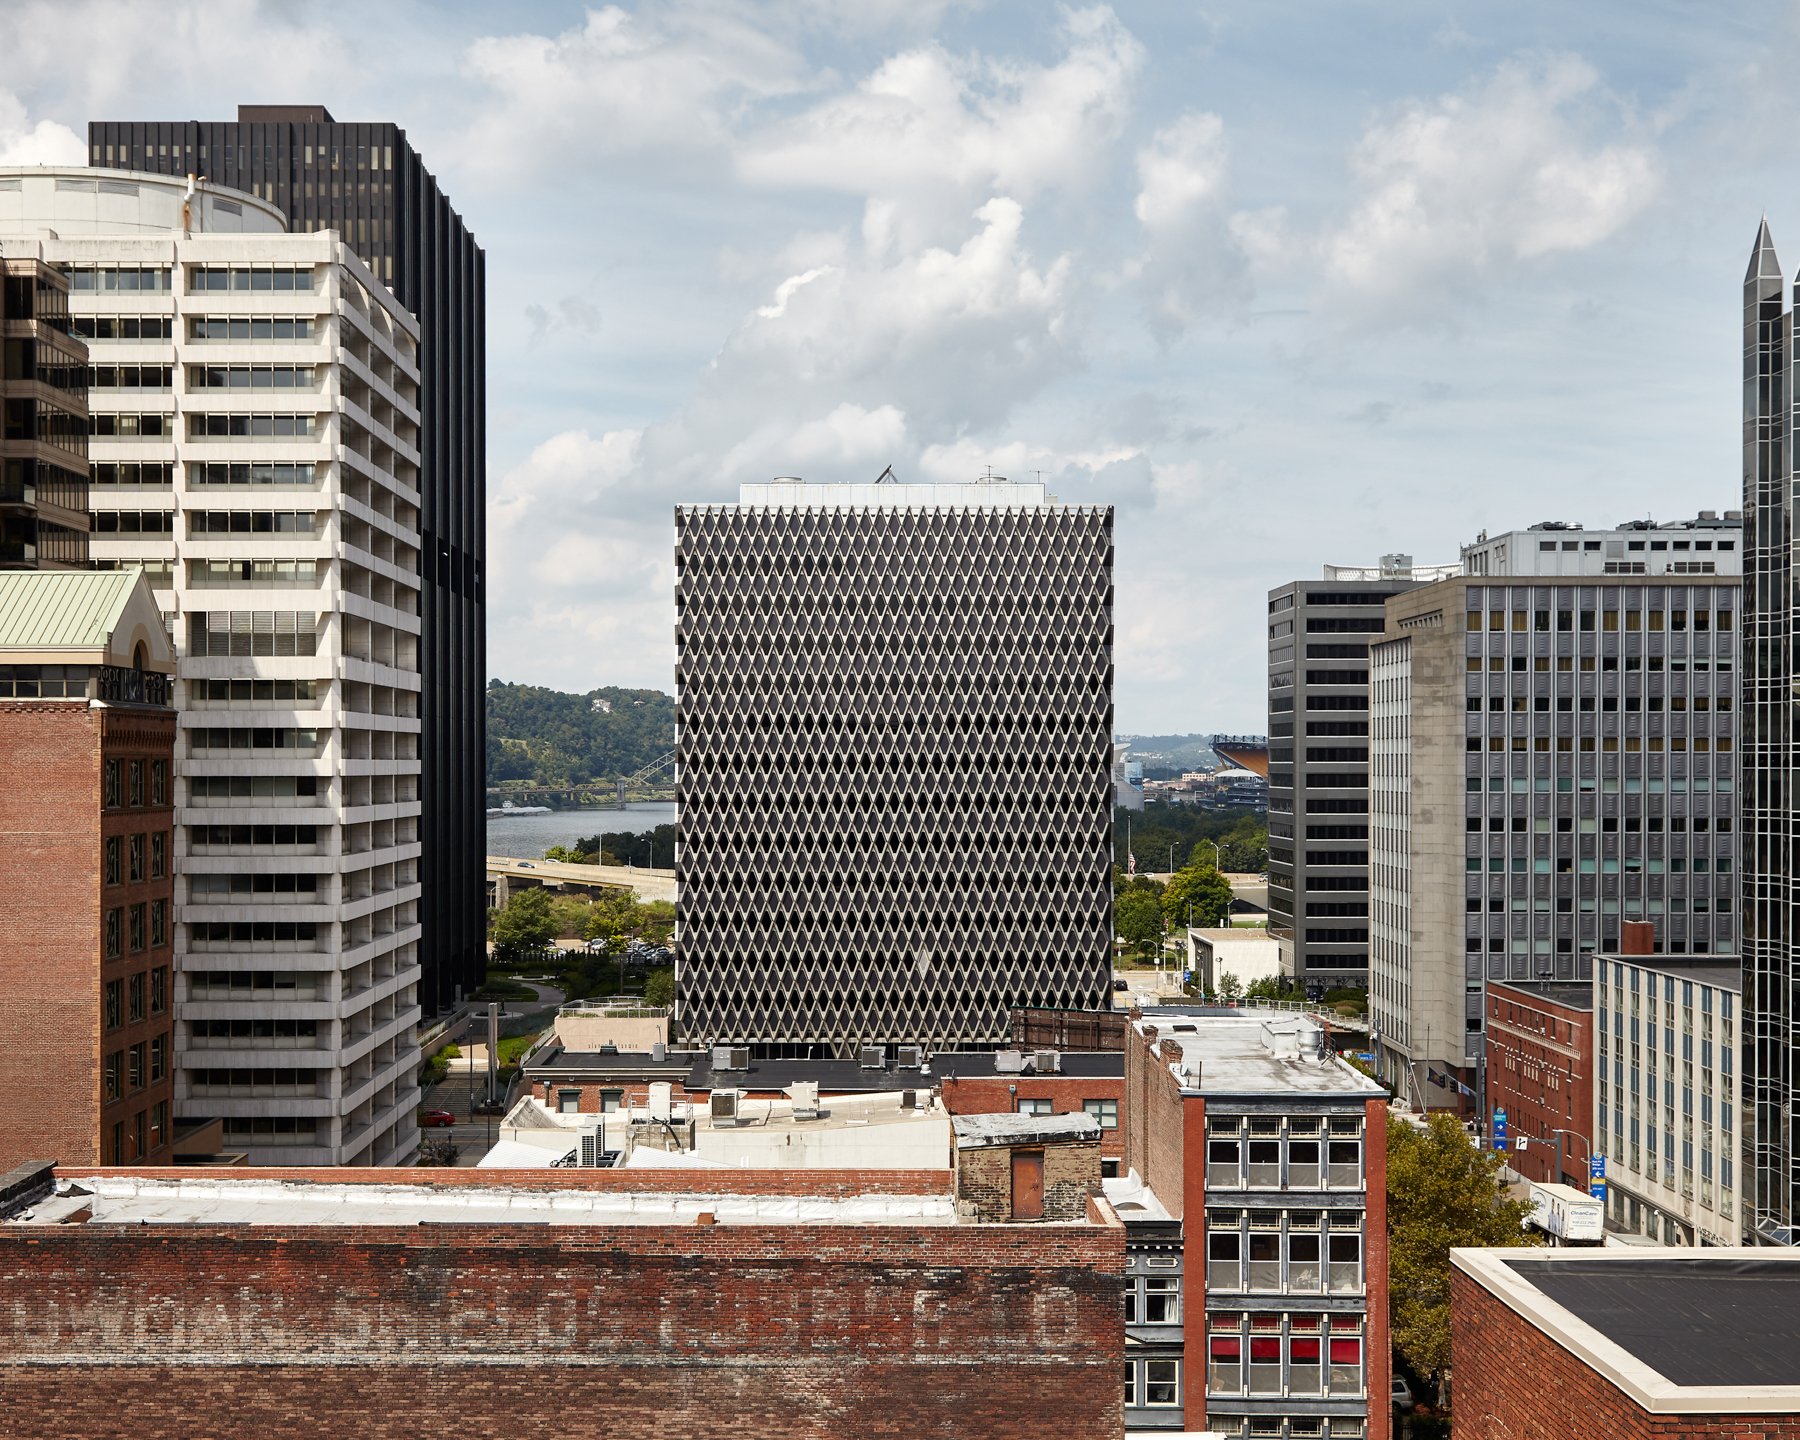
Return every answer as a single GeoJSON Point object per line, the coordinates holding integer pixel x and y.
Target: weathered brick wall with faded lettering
{"type": "Point", "coordinates": [804, 1331]}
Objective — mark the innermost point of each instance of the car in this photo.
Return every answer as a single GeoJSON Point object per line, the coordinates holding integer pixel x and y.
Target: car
{"type": "Point", "coordinates": [526, 865]}
{"type": "Point", "coordinates": [1401, 1392]}
{"type": "Point", "coordinates": [1121, 984]}
{"type": "Point", "coordinates": [437, 1118]}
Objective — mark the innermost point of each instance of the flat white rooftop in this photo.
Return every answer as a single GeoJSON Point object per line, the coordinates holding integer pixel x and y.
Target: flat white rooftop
{"type": "Point", "coordinates": [1287, 1056]}
{"type": "Point", "coordinates": [892, 495]}
{"type": "Point", "coordinates": [133, 1200]}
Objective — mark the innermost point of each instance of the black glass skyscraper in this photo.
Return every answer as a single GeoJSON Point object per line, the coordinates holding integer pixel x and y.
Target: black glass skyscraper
{"type": "Point", "coordinates": [1771, 1173]}
{"type": "Point", "coordinates": [368, 184]}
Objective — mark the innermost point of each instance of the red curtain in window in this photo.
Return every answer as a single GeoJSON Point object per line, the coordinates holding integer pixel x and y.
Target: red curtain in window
{"type": "Point", "coordinates": [1346, 1352]}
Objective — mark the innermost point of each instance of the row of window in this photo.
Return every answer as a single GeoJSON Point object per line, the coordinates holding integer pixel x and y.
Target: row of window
{"type": "Point", "coordinates": [142, 926]}
{"type": "Point", "coordinates": [304, 573]}
{"type": "Point", "coordinates": [122, 783]}
{"type": "Point", "coordinates": [252, 737]}
{"type": "Point", "coordinates": [133, 1068]}
{"type": "Point", "coordinates": [1651, 620]}
{"type": "Point", "coordinates": [145, 1134]}
{"type": "Point", "coordinates": [250, 427]}
{"type": "Point", "coordinates": [252, 632]}
{"type": "Point", "coordinates": [1105, 1111]}
{"type": "Point", "coordinates": [127, 1001]}
{"type": "Point", "coordinates": [126, 859]}
{"type": "Point", "coordinates": [244, 277]}
{"type": "Point", "coordinates": [250, 327]}
{"type": "Point", "coordinates": [250, 377]}
{"type": "Point", "coordinates": [123, 327]}
{"type": "Point", "coordinates": [221, 692]}
{"type": "Point", "coordinates": [239, 472]}
{"type": "Point", "coordinates": [252, 835]}
{"type": "Point", "coordinates": [254, 1029]}
{"type": "Point", "coordinates": [1292, 1355]}
{"type": "Point", "coordinates": [120, 278]}
{"type": "Point", "coordinates": [241, 984]}
{"type": "Point", "coordinates": [129, 377]}
{"type": "Point", "coordinates": [253, 787]}
{"type": "Point", "coordinates": [204, 888]}
{"type": "Point", "coordinates": [132, 472]}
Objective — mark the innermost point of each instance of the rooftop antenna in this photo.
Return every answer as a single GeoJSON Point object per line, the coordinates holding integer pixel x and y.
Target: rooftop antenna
{"type": "Point", "coordinates": [886, 475]}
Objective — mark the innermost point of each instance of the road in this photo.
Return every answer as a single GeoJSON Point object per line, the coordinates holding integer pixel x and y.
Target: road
{"type": "Point", "coordinates": [645, 883]}
{"type": "Point", "coordinates": [472, 1134]}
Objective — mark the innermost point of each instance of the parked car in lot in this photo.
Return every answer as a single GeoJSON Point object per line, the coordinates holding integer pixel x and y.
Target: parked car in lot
{"type": "Point", "coordinates": [1401, 1392]}
{"type": "Point", "coordinates": [438, 1118]}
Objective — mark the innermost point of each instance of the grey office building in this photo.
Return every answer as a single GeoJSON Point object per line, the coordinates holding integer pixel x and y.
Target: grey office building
{"type": "Point", "coordinates": [1771, 819]}
{"type": "Point", "coordinates": [894, 764]}
{"type": "Point", "coordinates": [1552, 755]}
{"type": "Point", "coordinates": [1319, 636]}
{"type": "Point", "coordinates": [366, 182]}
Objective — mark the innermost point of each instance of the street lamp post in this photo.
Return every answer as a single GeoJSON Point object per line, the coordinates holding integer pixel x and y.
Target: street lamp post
{"type": "Point", "coordinates": [1559, 1132]}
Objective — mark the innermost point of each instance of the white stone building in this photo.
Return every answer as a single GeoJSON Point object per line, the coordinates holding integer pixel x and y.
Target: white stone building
{"type": "Point", "coordinates": [1666, 1108]}
{"type": "Point", "coordinates": [255, 449]}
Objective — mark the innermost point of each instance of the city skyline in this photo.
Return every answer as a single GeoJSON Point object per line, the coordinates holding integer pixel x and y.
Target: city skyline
{"type": "Point", "coordinates": [727, 288]}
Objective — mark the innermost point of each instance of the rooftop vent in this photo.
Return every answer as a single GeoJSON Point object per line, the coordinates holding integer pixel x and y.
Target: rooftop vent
{"type": "Point", "coordinates": [805, 1095]}
{"type": "Point", "coordinates": [724, 1107]}
{"type": "Point", "coordinates": [659, 1051]}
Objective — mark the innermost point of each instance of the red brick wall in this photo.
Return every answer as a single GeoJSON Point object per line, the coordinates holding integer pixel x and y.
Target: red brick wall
{"type": "Point", "coordinates": [1152, 1118]}
{"type": "Point", "coordinates": [1378, 1355]}
{"type": "Point", "coordinates": [1513, 1382]}
{"type": "Point", "coordinates": [805, 1331]}
{"type": "Point", "coordinates": [1067, 1094]}
{"type": "Point", "coordinates": [1541, 1070]}
{"type": "Point", "coordinates": [52, 904]}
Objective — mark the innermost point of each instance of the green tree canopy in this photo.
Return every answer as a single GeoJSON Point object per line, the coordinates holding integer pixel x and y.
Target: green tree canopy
{"type": "Point", "coordinates": [1197, 891]}
{"type": "Point", "coordinates": [524, 927]}
{"type": "Point", "coordinates": [1442, 1192]}
{"type": "Point", "coordinates": [659, 987]}
{"type": "Point", "coordinates": [1137, 917]}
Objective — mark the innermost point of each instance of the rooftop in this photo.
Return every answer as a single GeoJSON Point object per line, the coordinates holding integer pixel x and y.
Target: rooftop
{"type": "Point", "coordinates": [1570, 994]}
{"type": "Point", "coordinates": [121, 1198]}
{"type": "Point", "coordinates": [65, 612]}
{"type": "Point", "coordinates": [1724, 972]}
{"type": "Point", "coordinates": [1680, 1330]}
{"type": "Point", "coordinates": [991, 492]}
{"type": "Point", "coordinates": [978, 1132]}
{"type": "Point", "coordinates": [1244, 1056]}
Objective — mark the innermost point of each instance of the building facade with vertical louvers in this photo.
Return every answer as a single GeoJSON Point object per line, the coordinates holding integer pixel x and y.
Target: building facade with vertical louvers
{"type": "Point", "coordinates": [894, 744]}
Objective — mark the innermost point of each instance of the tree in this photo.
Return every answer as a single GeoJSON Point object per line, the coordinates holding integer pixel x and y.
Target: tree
{"type": "Point", "coordinates": [1441, 1192]}
{"type": "Point", "coordinates": [1198, 891]}
{"type": "Point", "coordinates": [524, 927]}
{"type": "Point", "coordinates": [659, 987]}
{"type": "Point", "coordinates": [1267, 988]}
{"type": "Point", "coordinates": [1230, 987]}
{"type": "Point", "coordinates": [1137, 917]}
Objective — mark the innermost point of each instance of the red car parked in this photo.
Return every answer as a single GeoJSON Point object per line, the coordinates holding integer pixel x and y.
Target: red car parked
{"type": "Point", "coordinates": [436, 1117]}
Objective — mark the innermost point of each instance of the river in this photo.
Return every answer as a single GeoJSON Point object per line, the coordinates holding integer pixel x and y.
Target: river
{"type": "Point", "coordinates": [528, 836]}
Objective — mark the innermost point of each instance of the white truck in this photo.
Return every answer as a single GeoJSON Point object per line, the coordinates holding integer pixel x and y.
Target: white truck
{"type": "Point", "coordinates": [1567, 1215]}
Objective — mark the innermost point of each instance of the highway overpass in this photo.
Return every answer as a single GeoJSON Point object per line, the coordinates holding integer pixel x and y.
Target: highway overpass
{"type": "Point", "coordinates": [506, 874]}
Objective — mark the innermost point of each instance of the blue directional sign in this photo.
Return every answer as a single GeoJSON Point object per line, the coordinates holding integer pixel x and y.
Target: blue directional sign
{"type": "Point", "coordinates": [1597, 1176]}
{"type": "Point", "coordinates": [1500, 1128]}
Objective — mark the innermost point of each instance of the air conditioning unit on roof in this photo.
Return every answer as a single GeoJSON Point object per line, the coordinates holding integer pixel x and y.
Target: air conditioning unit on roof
{"type": "Point", "coordinates": [725, 1107]}
{"type": "Point", "coordinates": [1046, 1062]}
{"type": "Point", "coordinates": [909, 1057]}
{"type": "Point", "coordinates": [1009, 1062]}
{"type": "Point", "coordinates": [872, 1057]}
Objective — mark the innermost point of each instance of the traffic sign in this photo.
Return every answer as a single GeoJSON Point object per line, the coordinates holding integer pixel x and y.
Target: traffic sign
{"type": "Point", "coordinates": [1597, 1167]}
{"type": "Point", "coordinates": [1500, 1128]}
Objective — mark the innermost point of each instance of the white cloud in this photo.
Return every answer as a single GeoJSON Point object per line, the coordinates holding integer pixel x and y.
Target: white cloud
{"type": "Point", "coordinates": [929, 133]}
{"type": "Point", "coordinates": [42, 143]}
{"type": "Point", "coordinates": [1536, 161]}
{"type": "Point", "coordinates": [1192, 266]}
{"type": "Point", "coordinates": [670, 78]}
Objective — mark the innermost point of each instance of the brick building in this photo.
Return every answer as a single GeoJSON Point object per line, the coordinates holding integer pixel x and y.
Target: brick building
{"type": "Point", "coordinates": [1540, 1071]}
{"type": "Point", "coordinates": [782, 1304]}
{"type": "Point", "coordinates": [86, 744]}
{"type": "Point", "coordinates": [1627, 1344]}
{"type": "Point", "coordinates": [1255, 1207]}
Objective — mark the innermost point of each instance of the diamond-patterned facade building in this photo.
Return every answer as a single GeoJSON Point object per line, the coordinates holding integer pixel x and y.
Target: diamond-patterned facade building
{"type": "Point", "coordinates": [894, 726]}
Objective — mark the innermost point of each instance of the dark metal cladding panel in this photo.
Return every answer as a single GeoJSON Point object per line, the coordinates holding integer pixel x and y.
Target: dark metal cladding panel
{"type": "Point", "coordinates": [893, 772]}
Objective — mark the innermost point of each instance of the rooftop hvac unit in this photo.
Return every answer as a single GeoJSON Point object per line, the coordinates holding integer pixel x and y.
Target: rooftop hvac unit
{"type": "Point", "coordinates": [721, 1057]}
{"type": "Point", "coordinates": [659, 1051]}
{"type": "Point", "coordinates": [910, 1057]}
{"type": "Point", "coordinates": [872, 1057]}
{"type": "Point", "coordinates": [592, 1147]}
{"type": "Point", "coordinates": [1046, 1062]}
{"type": "Point", "coordinates": [740, 1057]}
{"type": "Point", "coordinates": [915, 1099]}
{"type": "Point", "coordinates": [805, 1095]}
{"type": "Point", "coordinates": [1009, 1062]}
{"type": "Point", "coordinates": [725, 1107]}
{"type": "Point", "coordinates": [662, 1100]}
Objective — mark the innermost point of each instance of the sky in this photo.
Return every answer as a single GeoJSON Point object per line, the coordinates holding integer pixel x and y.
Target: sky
{"type": "Point", "coordinates": [1288, 284]}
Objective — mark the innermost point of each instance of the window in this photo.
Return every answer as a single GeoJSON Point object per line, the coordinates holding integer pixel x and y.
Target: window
{"type": "Point", "coordinates": [159, 1124]}
{"type": "Point", "coordinates": [1153, 1300]}
{"type": "Point", "coordinates": [159, 783]}
{"type": "Point", "coordinates": [115, 934]}
{"type": "Point", "coordinates": [111, 869]}
{"type": "Point", "coordinates": [568, 1102]}
{"type": "Point", "coordinates": [135, 990]}
{"type": "Point", "coordinates": [135, 774]}
{"type": "Point", "coordinates": [159, 989]}
{"type": "Point", "coordinates": [1035, 1107]}
{"type": "Point", "coordinates": [134, 1069]}
{"type": "Point", "coordinates": [1225, 1360]}
{"type": "Point", "coordinates": [611, 1101]}
{"type": "Point", "coordinates": [159, 924]}
{"type": "Point", "coordinates": [139, 931]}
{"type": "Point", "coordinates": [1153, 1382]}
{"type": "Point", "coordinates": [135, 869]}
{"type": "Point", "coordinates": [112, 1076]}
{"type": "Point", "coordinates": [1224, 1260]}
{"type": "Point", "coordinates": [159, 1058]}
{"type": "Point", "coordinates": [159, 846]}
{"type": "Point", "coordinates": [1224, 1160]}
{"type": "Point", "coordinates": [1345, 1274]}
{"type": "Point", "coordinates": [1105, 1111]}
{"type": "Point", "coordinates": [109, 785]}
{"type": "Point", "coordinates": [1346, 1365]}
{"type": "Point", "coordinates": [113, 1004]}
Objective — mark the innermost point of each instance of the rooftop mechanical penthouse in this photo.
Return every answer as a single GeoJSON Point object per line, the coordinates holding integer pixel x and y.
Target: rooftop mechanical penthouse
{"type": "Point", "coordinates": [894, 726]}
